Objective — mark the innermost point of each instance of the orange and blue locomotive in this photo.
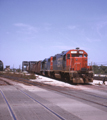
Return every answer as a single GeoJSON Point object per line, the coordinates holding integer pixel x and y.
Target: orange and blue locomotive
{"type": "Point", "coordinates": [71, 65]}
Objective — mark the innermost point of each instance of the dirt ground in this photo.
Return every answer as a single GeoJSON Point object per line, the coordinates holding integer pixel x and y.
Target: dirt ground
{"type": "Point", "coordinates": [3, 83]}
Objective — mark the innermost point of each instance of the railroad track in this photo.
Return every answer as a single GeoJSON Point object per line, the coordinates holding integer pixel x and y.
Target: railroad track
{"type": "Point", "coordinates": [88, 97]}
{"type": "Point", "coordinates": [98, 87]}
{"type": "Point", "coordinates": [80, 93]}
{"type": "Point", "coordinates": [99, 78]}
{"type": "Point", "coordinates": [60, 117]}
{"type": "Point", "coordinates": [9, 106]}
{"type": "Point", "coordinates": [12, 112]}
{"type": "Point", "coordinates": [2, 82]}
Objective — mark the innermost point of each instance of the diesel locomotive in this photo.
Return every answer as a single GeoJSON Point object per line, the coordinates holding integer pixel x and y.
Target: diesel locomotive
{"type": "Point", "coordinates": [71, 65]}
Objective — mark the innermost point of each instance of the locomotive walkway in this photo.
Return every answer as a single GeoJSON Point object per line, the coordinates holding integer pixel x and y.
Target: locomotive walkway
{"type": "Point", "coordinates": [23, 102]}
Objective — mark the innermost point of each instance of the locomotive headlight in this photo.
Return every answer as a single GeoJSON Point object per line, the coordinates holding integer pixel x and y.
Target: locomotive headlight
{"type": "Point", "coordinates": [81, 52]}
{"type": "Point", "coordinates": [76, 59]}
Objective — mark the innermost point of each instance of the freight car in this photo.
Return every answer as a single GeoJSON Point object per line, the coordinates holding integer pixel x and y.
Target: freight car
{"type": "Point", "coordinates": [1, 65]}
{"type": "Point", "coordinates": [25, 65]}
{"type": "Point", "coordinates": [70, 65]}
{"type": "Point", "coordinates": [31, 66]}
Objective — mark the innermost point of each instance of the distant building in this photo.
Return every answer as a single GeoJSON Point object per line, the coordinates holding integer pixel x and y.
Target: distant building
{"type": "Point", "coordinates": [7, 68]}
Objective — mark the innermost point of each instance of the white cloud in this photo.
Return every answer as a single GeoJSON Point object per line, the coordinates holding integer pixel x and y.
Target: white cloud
{"type": "Point", "coordinates": [63, 47]}
{"type": "Point", "coordinates": [102, 28]}
{"type": "Point", "coordinates": [26, 28]}
{"type": "Point", "coordinates": [71, 27]}
{"type": "Point", "coordinates": [47, 26]}
{"type": "Point", "coordinates": [92, 40]}
{"type": "Point", "coordinates": [89, 40]}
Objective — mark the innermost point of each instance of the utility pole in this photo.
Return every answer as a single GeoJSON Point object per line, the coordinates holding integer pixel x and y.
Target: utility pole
{"type": "Point", "coordinates": [13, 67]}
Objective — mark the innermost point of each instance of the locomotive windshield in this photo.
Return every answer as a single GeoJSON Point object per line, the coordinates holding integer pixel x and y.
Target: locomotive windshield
{"type": "Point", "coordinates": [77, 55]}
{"type": "Point", "coordinates": [85, 55]}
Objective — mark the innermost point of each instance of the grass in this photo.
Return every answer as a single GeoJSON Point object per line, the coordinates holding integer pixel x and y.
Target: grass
{"type": "Point", "coordinates": [18, 75]}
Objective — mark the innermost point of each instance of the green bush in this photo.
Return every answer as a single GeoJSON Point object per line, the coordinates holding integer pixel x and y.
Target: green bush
{"type": "Point", "coordinates": [100, 69]}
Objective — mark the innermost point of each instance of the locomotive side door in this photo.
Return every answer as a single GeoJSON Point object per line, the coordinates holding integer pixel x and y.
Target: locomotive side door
{"type": "Point", "coordinates": [68, 62]}
{"type": "Point", "coordinates": [64, 62]}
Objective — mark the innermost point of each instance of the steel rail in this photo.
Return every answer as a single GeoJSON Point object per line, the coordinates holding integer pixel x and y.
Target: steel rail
{"type": "Point", "coordinates": [32, 99]}
{"type": "Point", "coordinates": [42, 104]}
{"type": "Point", "coordinates": [11, 111]}
{"type": "Point", "coordinates": [82, 98]}
{"type": "Point", "coordinates": [37, 83]}
{"type": "Point", "coordinates": [100, 87]}
{"type": "Point", "coordinates": [78, 96]}
{"type": "Point", "coordinates": [75, 95]}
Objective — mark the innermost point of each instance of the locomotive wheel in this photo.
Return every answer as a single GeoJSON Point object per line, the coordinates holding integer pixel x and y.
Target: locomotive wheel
{"type": "Point", "coordinates": [67, 77]}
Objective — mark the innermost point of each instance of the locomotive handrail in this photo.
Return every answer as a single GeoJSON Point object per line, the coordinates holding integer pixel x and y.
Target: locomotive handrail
{"type": "Point", "coordinates": [70, 63]}
{"type": "Point", "coordinates": [76, 65]}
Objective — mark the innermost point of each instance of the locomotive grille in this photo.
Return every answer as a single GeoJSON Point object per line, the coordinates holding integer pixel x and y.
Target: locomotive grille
{"type": "Point", "coordinates": [83, 69]}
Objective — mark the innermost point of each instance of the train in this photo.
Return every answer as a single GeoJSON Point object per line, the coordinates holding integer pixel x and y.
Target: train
{"type": "Point", "coordinates": [70, 65]}
{"type": "Point", "coordinates": [1, 66]}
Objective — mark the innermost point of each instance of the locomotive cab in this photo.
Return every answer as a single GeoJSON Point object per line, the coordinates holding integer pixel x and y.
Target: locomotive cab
{"type": "Point", "coordinates": [77, 60]}
{"type": "Point", "coordinates": [76, 65]}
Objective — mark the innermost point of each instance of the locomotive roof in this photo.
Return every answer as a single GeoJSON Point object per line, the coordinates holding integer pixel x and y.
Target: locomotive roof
{"type": "Point", "coordinates": [1, 61]}
{"type": "Point", "coordinates": [64, 52]}
{"type": "Point", "coordinates": [44, 60]}
{"type": "Point", "coordinates": [61, 54]}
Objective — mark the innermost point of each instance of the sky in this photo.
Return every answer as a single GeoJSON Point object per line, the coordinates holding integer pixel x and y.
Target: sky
{"type": "Point", "coordinates": [32, 30]}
